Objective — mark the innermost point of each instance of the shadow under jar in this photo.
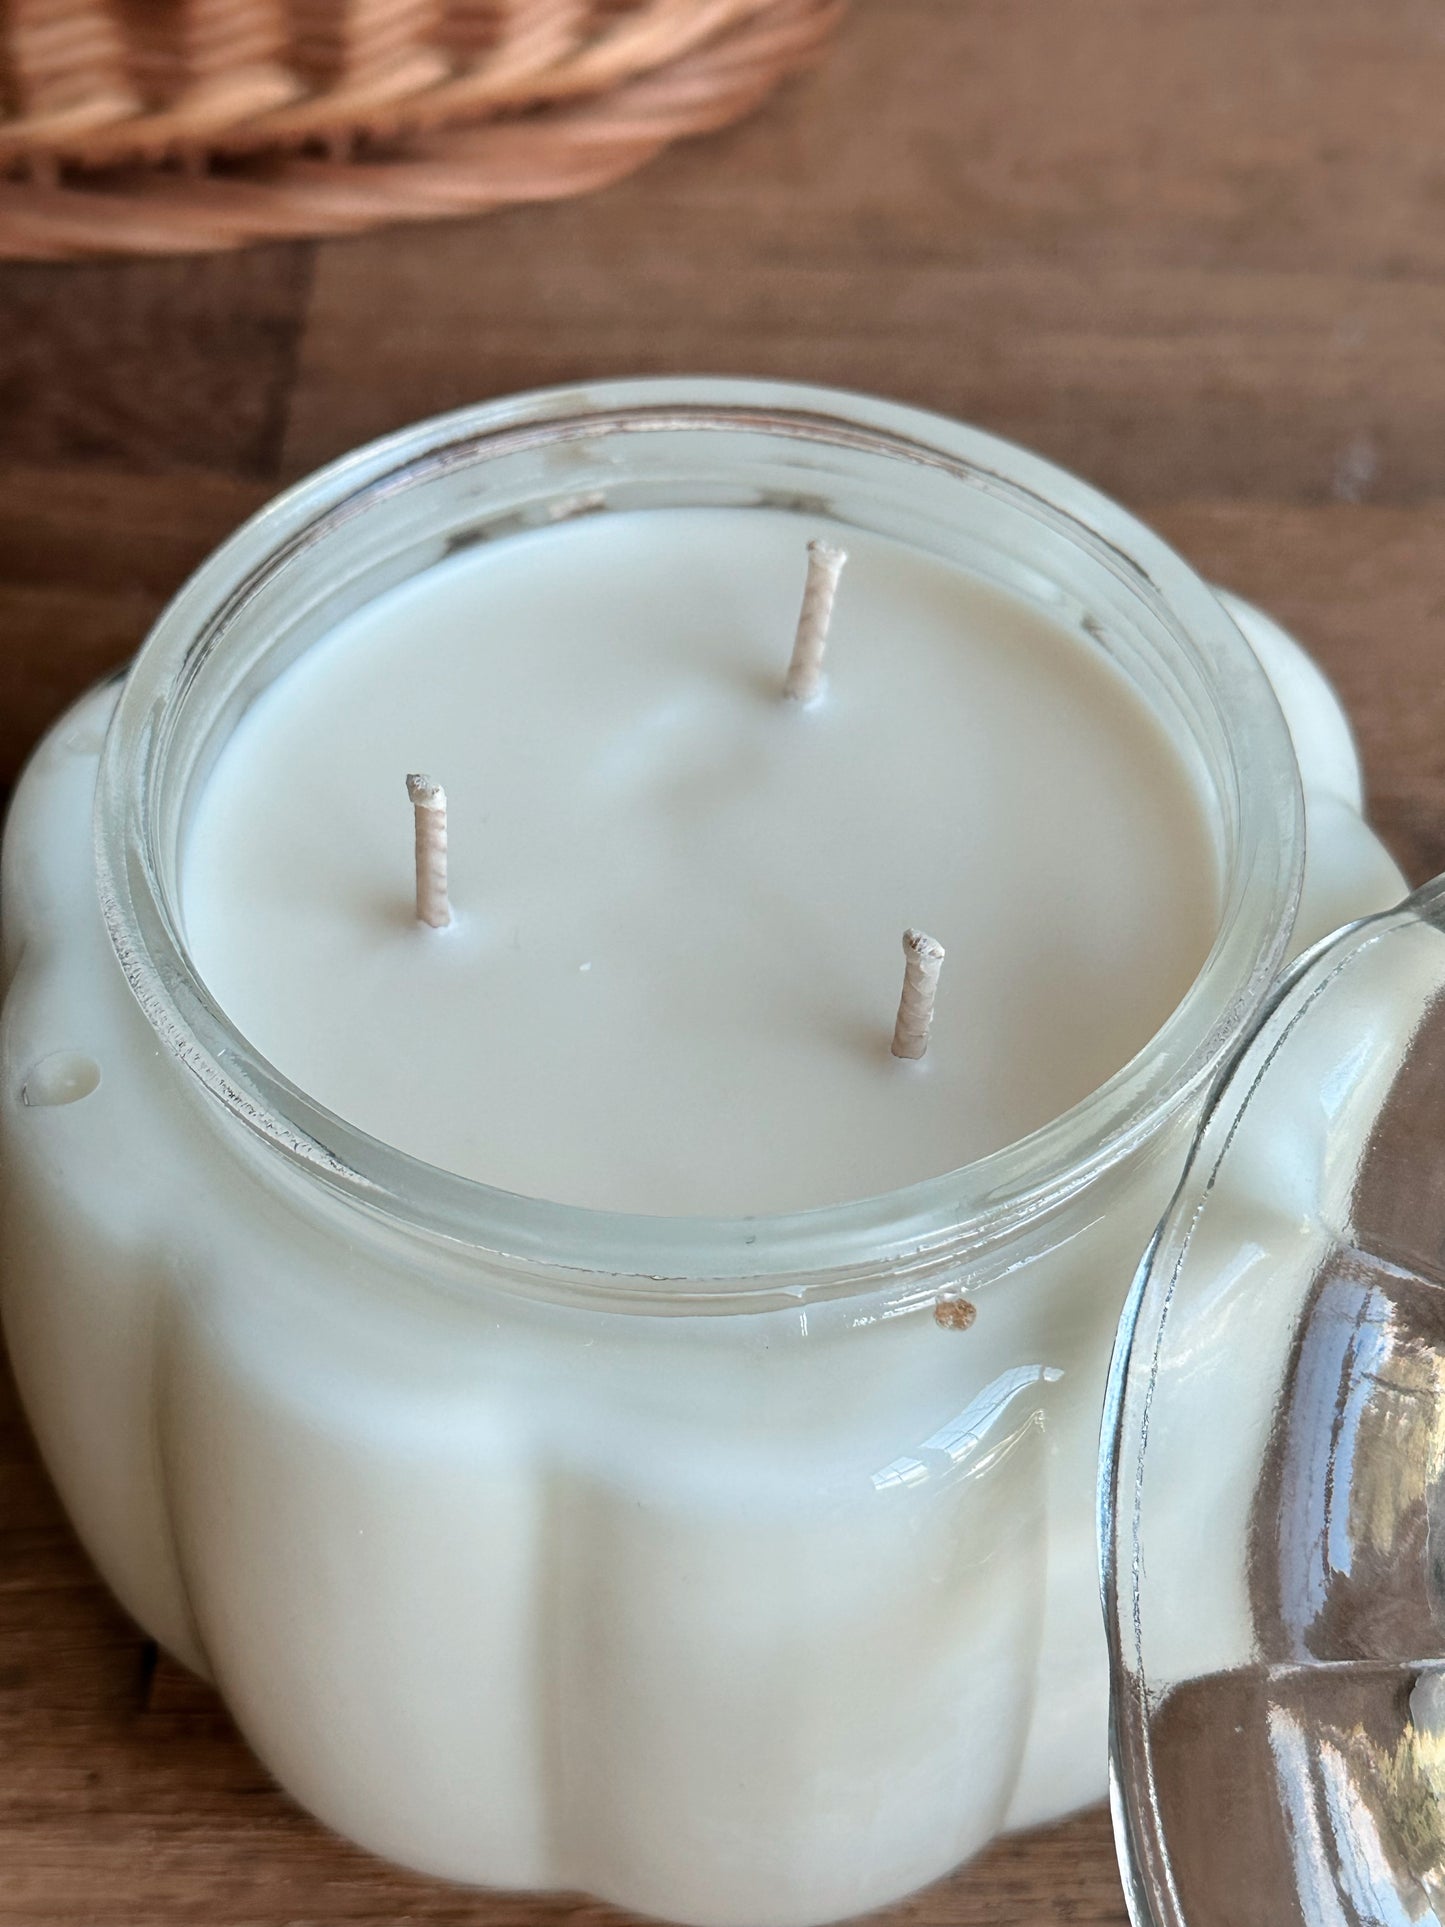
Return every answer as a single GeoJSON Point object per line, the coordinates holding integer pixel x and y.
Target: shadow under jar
{"type": "Point", "coordinates": [739, 1569]}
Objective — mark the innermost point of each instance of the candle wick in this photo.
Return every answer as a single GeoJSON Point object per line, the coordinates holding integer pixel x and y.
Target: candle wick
{"type": "Point", "coordinates": [429, 802]}
{"type": "Point", "coordinates": [922, 961]}
{"type": "Point", "coordinates": [805, 671]}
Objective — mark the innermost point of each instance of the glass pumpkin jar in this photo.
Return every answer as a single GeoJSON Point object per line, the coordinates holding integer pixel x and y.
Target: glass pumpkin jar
{"type": "Point", "coordinates": [738, 1571]}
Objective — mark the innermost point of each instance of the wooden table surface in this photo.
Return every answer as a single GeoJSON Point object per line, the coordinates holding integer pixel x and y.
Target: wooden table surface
{"type": "Point", "coordinates": [1194, 251]}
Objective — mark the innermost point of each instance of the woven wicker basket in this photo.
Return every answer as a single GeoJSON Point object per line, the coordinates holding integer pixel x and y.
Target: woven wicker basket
{"type": "Point", "coordinates": [170, 126]}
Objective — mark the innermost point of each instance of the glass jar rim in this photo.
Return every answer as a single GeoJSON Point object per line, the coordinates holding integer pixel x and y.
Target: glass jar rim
{"type": "Point", "coordinates": [709, 1263]}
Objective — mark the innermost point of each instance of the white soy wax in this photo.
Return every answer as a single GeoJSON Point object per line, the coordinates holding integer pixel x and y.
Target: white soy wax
{"type": "Point", "coordinates": [671, 975]}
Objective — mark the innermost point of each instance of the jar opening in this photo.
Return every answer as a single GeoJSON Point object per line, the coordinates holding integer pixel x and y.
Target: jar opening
{"type": "Point", "coordinates": [390, 511]}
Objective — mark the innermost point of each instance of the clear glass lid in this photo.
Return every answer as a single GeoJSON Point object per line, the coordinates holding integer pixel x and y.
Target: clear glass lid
{"type": "Point", "coordinates": [1273, 1488]}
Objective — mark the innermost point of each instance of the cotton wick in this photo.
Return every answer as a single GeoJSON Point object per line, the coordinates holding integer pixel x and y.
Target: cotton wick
{"type": "Point", "coordinates": [922, 961]}
{"type": "Point", "coordinates": [805, 671]}
{"type": "Point", "coordinates": [429, 802]}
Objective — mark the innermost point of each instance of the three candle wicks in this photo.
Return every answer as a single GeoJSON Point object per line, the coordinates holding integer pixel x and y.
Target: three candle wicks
{"type": "Point", "coordinates": [923, 956]}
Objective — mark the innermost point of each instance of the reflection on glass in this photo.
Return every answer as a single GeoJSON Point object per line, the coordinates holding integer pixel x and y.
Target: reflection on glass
{"type": "Point", "coordinates": [1280, 1694]}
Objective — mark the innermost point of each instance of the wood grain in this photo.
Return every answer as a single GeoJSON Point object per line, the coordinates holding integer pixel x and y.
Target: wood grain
{"type": "Point", "coordinates": [151, 365]}
{"type": "Point", "coordinates": [88, 559]}
{"type": "Point", "coordinates": [1186, 250]}
{"type": "Point", "coordinates": [1195, 251]}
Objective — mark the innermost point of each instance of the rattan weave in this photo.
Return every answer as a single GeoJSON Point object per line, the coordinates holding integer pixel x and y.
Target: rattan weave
{"type": "Point", "coordinates": [172, 126]}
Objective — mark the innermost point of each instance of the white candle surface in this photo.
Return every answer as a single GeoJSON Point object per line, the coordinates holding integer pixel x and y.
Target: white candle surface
{"type": "Point", "coordinates": [671, 977]}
